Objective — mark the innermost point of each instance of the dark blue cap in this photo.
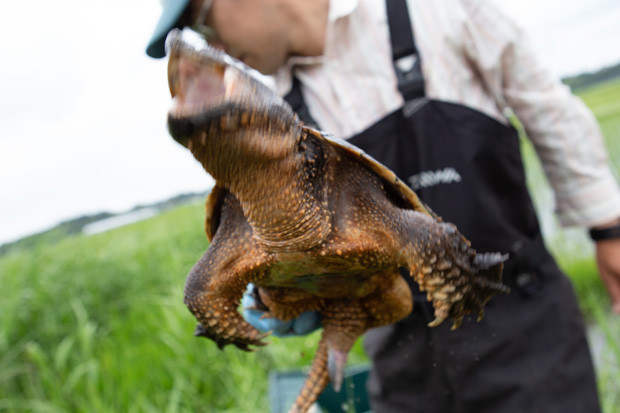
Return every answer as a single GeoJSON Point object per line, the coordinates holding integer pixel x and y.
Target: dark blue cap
{"type": "Point", "coordinates": [170, 15]}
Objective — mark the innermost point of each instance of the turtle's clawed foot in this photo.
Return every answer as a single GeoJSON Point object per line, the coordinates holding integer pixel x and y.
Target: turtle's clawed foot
{"type": "Point", "coordinates": [456, 279]}
{"type": "Point", "coordinates": [469, 291]}
{"type": "Point", "coordinates": [241, 343]}
{"type": "Point", "coordinates": [221, 322]}
{"type": "Point", "coordinates": [487, 276]}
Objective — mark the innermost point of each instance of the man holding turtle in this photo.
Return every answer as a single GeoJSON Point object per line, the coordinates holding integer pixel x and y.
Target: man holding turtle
{"type": "Point", "coordinates": [428, 89]}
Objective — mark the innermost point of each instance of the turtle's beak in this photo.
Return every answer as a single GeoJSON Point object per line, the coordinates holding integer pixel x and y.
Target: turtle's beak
{"type": "Point", "coordinates": [174, 45]}
{"type": "Point", "coordinates": [196, 82]}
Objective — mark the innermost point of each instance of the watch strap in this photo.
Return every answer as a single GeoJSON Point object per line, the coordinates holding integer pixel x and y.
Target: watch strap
{"type": "Point", "coordinates": [600, 234]}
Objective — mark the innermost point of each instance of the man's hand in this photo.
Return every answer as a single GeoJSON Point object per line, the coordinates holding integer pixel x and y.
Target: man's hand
{"type": "Point", "coordinates": [253, 314]}
{"type": "Point", "coordinates": [608, 260]}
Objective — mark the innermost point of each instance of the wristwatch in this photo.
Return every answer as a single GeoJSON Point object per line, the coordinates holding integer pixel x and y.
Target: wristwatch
{"type": "Point", "coordinates": [611, 232]}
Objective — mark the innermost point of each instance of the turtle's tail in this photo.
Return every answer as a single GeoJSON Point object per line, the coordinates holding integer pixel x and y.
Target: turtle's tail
{"type": "Point", "coordinates": [315, 382]}
{"type": "Point", "coordinates": [343, 322]}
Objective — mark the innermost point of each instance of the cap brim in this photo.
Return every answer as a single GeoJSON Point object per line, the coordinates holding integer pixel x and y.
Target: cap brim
{"type": "Point", "coordinates": [172, 11]}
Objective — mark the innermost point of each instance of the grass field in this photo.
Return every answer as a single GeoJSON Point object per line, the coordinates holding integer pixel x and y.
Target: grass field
{"type": "Point", "coordinates": [97, 324]}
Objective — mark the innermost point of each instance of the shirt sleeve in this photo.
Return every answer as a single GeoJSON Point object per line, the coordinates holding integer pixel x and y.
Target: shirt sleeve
{"type": "Point", "coordinates": [564, 132]}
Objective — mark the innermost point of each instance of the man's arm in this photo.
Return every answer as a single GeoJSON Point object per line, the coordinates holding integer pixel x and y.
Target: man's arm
{"type": "Point", "coordinates": [563, 130]}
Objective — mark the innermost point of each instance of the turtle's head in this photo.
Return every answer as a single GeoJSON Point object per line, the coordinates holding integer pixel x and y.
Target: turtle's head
{"type": "Point", "coordinates": [214, 96]}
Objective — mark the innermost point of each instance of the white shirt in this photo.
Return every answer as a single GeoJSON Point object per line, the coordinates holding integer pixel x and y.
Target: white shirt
{"type": "Point", "coordinates": [472, 55]}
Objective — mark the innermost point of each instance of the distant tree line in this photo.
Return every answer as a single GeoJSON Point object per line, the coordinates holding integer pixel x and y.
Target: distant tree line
{"type": "Point", "coordinates": [589, 79]}
{"type": "Point", "coordinates": [75, 226]}
{"type": "Point", "coordinates": [55, 234]}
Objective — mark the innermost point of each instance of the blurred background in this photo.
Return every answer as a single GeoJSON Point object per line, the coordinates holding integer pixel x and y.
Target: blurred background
{"type": "Point", "coordinates": [92, 319]}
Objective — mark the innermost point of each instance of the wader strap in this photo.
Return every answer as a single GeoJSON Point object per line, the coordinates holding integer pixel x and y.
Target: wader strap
{"type": "Point", "coordinates": [297, 102]}
{"type": "Point", "coordinates": [407, 62]}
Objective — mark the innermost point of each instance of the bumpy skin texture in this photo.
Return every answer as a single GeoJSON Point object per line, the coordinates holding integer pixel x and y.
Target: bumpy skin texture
{"type": "Point", "coordinates": [311, 221]}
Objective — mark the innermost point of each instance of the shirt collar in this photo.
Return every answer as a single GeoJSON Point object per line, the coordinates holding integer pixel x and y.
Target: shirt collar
{"type": "Point", "coordinates": [338, 9]}
{"type": "Point", "coordinates": [341, 8]}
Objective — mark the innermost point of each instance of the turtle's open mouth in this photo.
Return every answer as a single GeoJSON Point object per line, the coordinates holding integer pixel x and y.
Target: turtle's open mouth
{"type": "Point", "coordinates": [215, 95]}
{"type": "Point", "coordinates": [195, 89]}
{"type": "Point", "coordinates": [207, 84]}
{"type": "Point", "coordinates": [197, 82]}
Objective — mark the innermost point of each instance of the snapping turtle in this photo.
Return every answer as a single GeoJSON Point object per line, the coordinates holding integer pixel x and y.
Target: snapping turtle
{"type": "Point", "coordinates": [312, 221]}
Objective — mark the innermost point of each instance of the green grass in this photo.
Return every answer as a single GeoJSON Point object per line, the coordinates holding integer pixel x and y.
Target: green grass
{"type": "Point", "coordinates": [98, 324]}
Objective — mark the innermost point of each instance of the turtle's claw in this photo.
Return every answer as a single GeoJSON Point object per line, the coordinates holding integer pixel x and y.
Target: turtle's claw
{"type": "Point", "coordinates": [252, 337]}
{"type": "Point", "coordinates": [436, 322]}
{"type": "Point", "coordinates": [457, 323]}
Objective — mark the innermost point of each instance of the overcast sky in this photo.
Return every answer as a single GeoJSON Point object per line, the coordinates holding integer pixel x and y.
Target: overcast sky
{"type": "Point", "coordinates": [83, 109]}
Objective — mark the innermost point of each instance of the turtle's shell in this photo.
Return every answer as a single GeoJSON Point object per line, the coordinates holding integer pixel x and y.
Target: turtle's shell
{"type": "Point", "coordinates": [217, 194]}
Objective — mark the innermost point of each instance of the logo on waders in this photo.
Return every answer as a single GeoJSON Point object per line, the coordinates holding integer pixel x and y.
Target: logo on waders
{"type": "Point", "coordinates": [427, 179]}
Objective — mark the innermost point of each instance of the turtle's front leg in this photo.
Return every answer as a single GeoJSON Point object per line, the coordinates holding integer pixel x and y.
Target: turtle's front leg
{"type": "Point", "coordinates": [212, 294]}
{"type": "Point", "coordinates": [456, 279]}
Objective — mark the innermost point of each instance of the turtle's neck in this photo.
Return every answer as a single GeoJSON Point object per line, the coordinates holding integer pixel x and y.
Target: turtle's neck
{"type": "Point", "coordinates": [265, 165]}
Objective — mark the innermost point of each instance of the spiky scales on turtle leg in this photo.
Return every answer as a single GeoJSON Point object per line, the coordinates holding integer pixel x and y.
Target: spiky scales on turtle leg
{"type": "Point", "coordinates": [456, 279]}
